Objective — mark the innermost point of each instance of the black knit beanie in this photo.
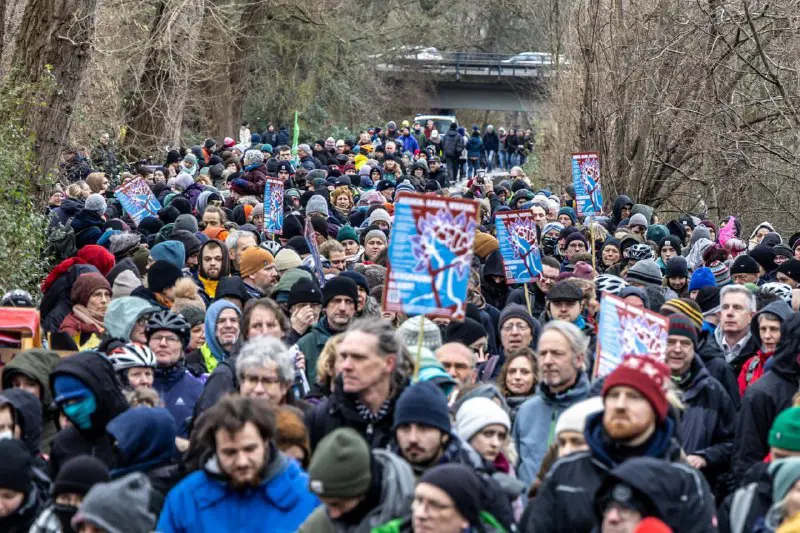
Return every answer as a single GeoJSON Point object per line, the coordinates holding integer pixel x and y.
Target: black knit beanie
{"type": "Point", "coordinates": [80, 474]}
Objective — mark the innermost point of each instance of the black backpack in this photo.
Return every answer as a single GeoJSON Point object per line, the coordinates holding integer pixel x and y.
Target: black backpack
{"type": "Point", "coordinates": [61, 242]}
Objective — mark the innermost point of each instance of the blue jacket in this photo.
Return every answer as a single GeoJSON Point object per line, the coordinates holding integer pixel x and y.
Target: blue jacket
{"type": "Point", "coordinates": [410, 144]}
{"type": "Point", "coordinates": [203, 502]}
{"type": "Point", "coordinates": [179, 390]}
{"type": "Point", "coordinates": [536, 421]}
{"type": "Point", "coordinates": [474, 146]}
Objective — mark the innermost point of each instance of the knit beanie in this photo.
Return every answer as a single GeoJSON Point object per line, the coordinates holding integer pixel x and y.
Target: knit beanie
{"type": "Point", "coordinates": [702, 277]}
{"type": "Point", "coordinates": [708, 299]}
{"type": "Point", "coordinates": [722, 274]}
{"type": "Point", "coordinates": [194, 315]}
{"type": "Point", "coordinates": [744, 264]}
{"type": "Point", "coordinates": [85, 285]}
{"type": "Point", "coordinates": [380, 215]}
{"type": "Point", "coordinates": [172, 251]}
{"type": "Point", "coordinates": [95, 203]}
{"type": "Point", "coordinates": [477, 413]}
{"type": "Point", "coordinates": [422, 403]}
{"type": "Point", "coordinates": [254, 259]}
{"type": "Point", "coordinates": [687, 307]}
{"type": "Point", "coordinates": [375, 234]}
{"type": "Point", "coordinates": [550, 226]}
{"type": "Point", "coordinates": [465, 332]}
{"type": "Point", "coordinates": [340, 467]}
{"type": "Point", "coordinates": [785, 430]}
{"type": "Point", "coordinates": [783, 251]}
{"type": "Point", "coordinates": [124, 284]}
{"type": "Point", "coordinates": [408, 333]}
{"type": "Point", "coordinates": [517, 311]}
{"type": "Point", "coordinates": [299, 244]}
{"type": "Point", "coordinates": [677, 267]}
{"type": "Point", "coordinates": [317, 204]}
{"type": "Point", "coordinates": [186, 222]}
{"type": "Point", "coordinates": [564, 291]}
{"type": "Point", "coordinates": [657, 233]}
{"type": "Point", "coordinates": [346, 233]}
{"type": "Point", "coordinates": [575, 236]}
{"type": "Point", "coordinates": [304, 290]}
{"type": "Point", "coordinates": [339, 286]}
{"type": "Point", "coordinates": [569, 212]}
{"type": "Point", "coordinates": [646, 272]}
{"type": "Point", "coordinates": [80, 474]}
{"type": "Point", "coordinates": [638, 220]}
{"type": "Point", "coordinates": [119, 506]}
{"type": "Point", "coordinates": [673, 241]}
{"type": "Point", "coordinates": [162, 275]}
{"type": "Point", "coordinates": [764, 256]}
{"type": "Point", "coordinates": [791, 269]}
{"type": "Point", "coordinates": [462, 484]}
{"type": "Point", "coordinates": [16, 468]}
{"type": "Point", "coordinates": [123, 243]}
{"type": "Point", "coordinates": [681, 325]}
{"type": "Point", "coordinates": [574, 417]}
{"type": "Point", "coordinates": [285, 259]}
{"type": "Point", "coordinates": [645, 375]}
{"type": "Point", "coordinates": [785, 473]}
{"type": "Point", "coordinates": [484, 244]}
{"type": "Point", "coordinates": [253, 157]}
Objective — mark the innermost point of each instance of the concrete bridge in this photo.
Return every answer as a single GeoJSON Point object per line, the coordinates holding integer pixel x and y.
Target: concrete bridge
{"type": "Point", "coordinates": [466, 80]}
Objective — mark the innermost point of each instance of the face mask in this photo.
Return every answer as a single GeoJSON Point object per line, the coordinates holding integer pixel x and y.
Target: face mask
{"type": "Point", "coordinates": [64, 513]}
{"type": "Point", "coordinates": [80, 413]}
{"type": "Point", "coordinates": [6, 434]}
{"type": "Point", "coordinates": [549, 244]}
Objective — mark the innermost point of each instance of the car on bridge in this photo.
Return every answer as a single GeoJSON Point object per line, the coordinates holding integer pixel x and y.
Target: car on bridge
{"type": "Point", "coordinates": [530, 59]}
{"type": "Point", "coordinates": [440, 122]}
{"type": "Point", "coordinates": [419, 53]}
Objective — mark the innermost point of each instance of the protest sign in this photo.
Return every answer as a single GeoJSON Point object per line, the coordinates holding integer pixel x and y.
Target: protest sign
{"type": "Point", "coordinates": [517, 234]}
{"type": "Point", "coordinates": [586, 182]}
{"type": "Point", "coordinates": [429, 257]}
{"type": "Point", "coordinates": [311, 240]}
{"type": "Point", "coordinates": [137, 200]}
{"type": "Point", "coordinates": [627, 330]}
{"type": "Point", "coordinates": [273, 206]}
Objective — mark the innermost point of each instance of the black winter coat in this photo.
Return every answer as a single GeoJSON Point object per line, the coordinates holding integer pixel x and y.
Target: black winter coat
{"type": "Point", "coordinates": [765, 398]}
{"type": "Point", "coordinates": [714, 361]}
{"type": "Point", "coordinates": [491, 142]}
{"type": "Point", "coordinates": [56, 304]}
{"type": "Point", "coordinates": [88, 227]}
{"type": "Point", "coordinates": [97, 373]}
{"type": "Point", "coordinates": [339, 410]}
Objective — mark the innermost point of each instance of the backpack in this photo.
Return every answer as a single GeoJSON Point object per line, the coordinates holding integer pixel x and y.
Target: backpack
{"type": "Point", "coordinates": [61, 242]}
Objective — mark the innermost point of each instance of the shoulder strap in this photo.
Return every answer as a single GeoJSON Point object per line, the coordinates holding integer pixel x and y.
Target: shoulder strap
{"type": "Point", "coordinates": [740, 506]}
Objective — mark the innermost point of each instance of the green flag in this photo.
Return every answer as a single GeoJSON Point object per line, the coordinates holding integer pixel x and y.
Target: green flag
{"type": "Point", "coordinates": [295, 139]}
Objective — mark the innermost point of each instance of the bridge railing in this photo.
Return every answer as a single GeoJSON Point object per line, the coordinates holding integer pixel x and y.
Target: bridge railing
{"type": "Point", "coordinates": [472, 63]}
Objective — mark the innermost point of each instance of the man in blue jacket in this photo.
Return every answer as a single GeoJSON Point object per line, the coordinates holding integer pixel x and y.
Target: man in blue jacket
{"type": "Point", "coordinates": [247, 484]}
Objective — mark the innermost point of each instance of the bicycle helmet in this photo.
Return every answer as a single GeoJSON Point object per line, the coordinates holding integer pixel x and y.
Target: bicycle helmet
{"type": "Point", "coordinates": [168, 321]}
{"type": "Point", "coordinates": [640, 252]}
{"type": "Point", "coordinates": [132, 355]}
{"type": "Point", "coordinates": [272, 247]}
{"type": "Point", "coordinates": [779, 289]}
{"type": "Point", "coordinates": [609, 283]}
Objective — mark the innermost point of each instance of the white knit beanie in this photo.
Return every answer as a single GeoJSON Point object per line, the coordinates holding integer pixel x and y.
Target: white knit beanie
{"type": "Point", "coordinates": [477, 413]}
{"type": "Point", "coordinates": [574, 417]}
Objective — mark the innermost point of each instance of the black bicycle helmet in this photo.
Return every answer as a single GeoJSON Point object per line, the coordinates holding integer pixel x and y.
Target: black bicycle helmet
{"type": "Point", "coordinates": [169, 321]}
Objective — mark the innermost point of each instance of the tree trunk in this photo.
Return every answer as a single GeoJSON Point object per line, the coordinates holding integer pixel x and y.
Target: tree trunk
{"type": "Point", "coordinates": [54, 43]}
{"type": "Point", "coordinates": [154, 111]}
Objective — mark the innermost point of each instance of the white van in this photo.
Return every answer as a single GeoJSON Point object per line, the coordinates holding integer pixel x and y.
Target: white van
{"type": "Point", "coordinates": [440, 122]}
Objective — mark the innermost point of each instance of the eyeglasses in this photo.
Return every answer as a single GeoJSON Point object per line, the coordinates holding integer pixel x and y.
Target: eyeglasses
{"type": "Point", "coordinates": [169, 339]}
{"type": "Point", "coordinates": [432, 505]}
{"type": "Point", "coordinates": [522, 328]}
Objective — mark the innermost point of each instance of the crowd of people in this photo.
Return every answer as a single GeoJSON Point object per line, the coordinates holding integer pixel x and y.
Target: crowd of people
{"type": "Point", "coordinates": [196, 376]}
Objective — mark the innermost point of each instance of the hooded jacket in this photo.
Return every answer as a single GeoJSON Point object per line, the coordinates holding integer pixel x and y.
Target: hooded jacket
{"type": "Point", "coordinates": [37, 364]}
{"type": "Point", "coordinates": [145, 440]}
{"type": "Point", "coordinates": [765, 398]}
{"type": "Point", "coordinates": [97, 373]}
{"type": "Point", "coordinates": [495, 294]}
{"type": "Point", "coordinates": [676, 493]}
{"type": "Point", "coordinates": [535, 423]}
{"type": "Point", "coordinates": [68, 209]}
{"type": "Point", "coordinates": [123, 313]}
{"type": "Point", "coordinates": [204, 503]}
{"type": "Point", "coordinates": [565, 502]}
{"type": "Point", "coordinates": [754, 362]}
{"type": "Point", "coordinates": [205, 359]}
{"type": "Point", "coordinates": [621, 201]}
{"type": "Point", "coordinates": [27, 415]}
{"type": "Point", "coordinates": [88, 227]}
{"type": "Point", "coordinates": [396, 492]}
{"type": "Point", "coordinates": [56, 304]}
{"type": "Point", "coordinates": [210, 285]}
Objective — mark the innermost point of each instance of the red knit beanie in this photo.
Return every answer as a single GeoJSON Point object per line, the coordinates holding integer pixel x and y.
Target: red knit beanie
{"type": "Point", "coordinates": [645, 375]}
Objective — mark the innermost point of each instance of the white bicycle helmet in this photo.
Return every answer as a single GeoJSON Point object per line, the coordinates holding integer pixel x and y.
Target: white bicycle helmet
{"type": "Point", "coordinates": [132, 355]}
{"type": "Point", "coordinates": [609, 283]}
{"type": "Point", "coordinates": [272, 247]}
{"type": "Point", "coordinates": [779, 289]}
{"type": "Point", "coordinates": [641, 252]}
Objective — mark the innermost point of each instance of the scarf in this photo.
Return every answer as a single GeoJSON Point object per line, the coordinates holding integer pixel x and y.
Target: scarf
{"type": "Point", "coordinates": [163, 301]}
{"type": "Point", "coordinates": [367, 415]}
{"type": "Point", "coordinates": [209, 285]}
{"type": "Point", "coordinates": [84, 315]}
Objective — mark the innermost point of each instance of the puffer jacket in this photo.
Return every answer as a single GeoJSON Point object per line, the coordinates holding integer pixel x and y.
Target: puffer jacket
{"type": "Point", "coordinates": [88, 227]}
{"type": "Point", "coordinates": [393, 497]}
{"type": "Point", "coordinates": [535, 423]}
{"type": "Point", "coordinates": [179, 390]}
{"type": "Point", "coordinates": [203, 502]}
